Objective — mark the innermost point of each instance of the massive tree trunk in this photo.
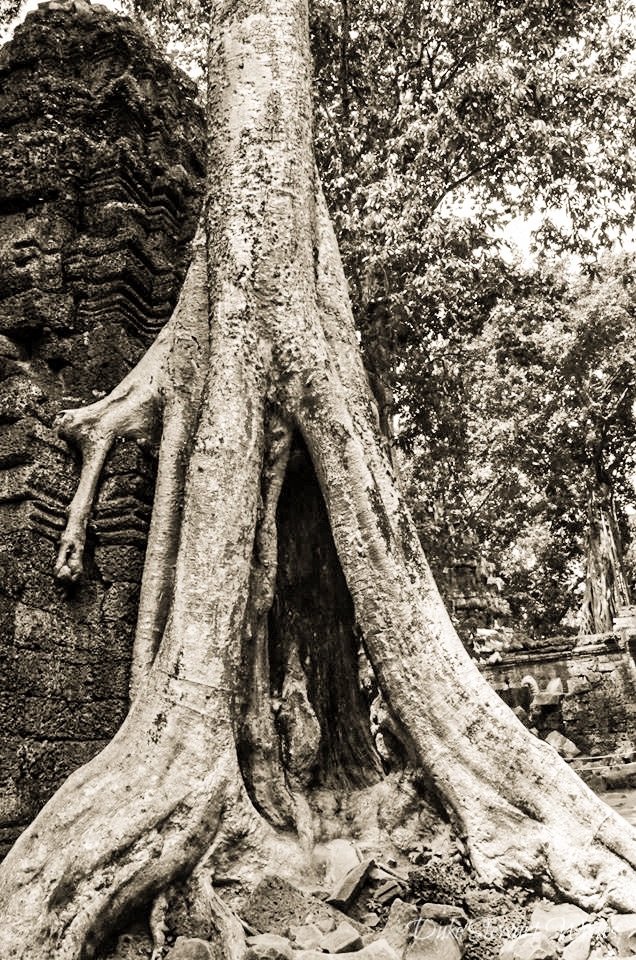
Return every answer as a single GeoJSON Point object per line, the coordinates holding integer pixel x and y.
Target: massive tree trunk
{"type": "Point", "coordinates": [233, 744]}
{"type": "Point", "coordinates": [606, 589]}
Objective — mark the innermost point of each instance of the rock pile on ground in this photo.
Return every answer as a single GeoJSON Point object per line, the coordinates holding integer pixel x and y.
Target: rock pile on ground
{"type": "Point", "coordinates": [565, 931]}
{"type": "Point", "coordinates": [377, 910]}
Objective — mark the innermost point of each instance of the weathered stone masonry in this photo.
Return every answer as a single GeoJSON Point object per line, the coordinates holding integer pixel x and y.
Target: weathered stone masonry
{"type": "Point", "coordinates": [101, 167]}
{"type": "Point", "coordinates": [595, 706]}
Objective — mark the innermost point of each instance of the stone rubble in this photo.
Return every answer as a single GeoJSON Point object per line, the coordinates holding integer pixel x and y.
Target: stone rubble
{"type": "Point", "coordinates": [401, 925]}
{"type": "Point", "coordinates": [581, 946]}
{"type": "Point", "coordinates": [444, 914]}
{"type": "Point", "coordinates": [555, 918]}
{"type": "Point", "coordinates": [344, 939]}
{"type": "Point", "coordinates": [376, 950]}
{"type": "Point", "coordinates": [530, 946]}
{"type": "Point", "coordinates": [191, 948]}
{"type": "Point", "coordinates": [268, 946]}
{"type": "Point", "coordinates": [622, 934]}
{"type": "Point", "coordinates": [434, 941]}
{"type": "Point", "coordinates": [307, 936]}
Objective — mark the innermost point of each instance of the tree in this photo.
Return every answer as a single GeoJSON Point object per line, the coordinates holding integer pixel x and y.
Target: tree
{"type": "Point", "coordinates": [436, 123]}
{"type": "Point", "coordinates": [428, 108]}
{"type": "Point", "coordinates": [261, 356]}
{"type": "Point", "coordinates": [601, 364]}
{"type": "Point", "coordinates": [540, 464]}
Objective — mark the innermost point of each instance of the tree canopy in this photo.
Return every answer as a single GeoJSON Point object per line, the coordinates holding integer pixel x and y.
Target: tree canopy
{"type": "Point", "coordinates": [436, 124]}
{"type": "Point", "coordinates": [546, 422]}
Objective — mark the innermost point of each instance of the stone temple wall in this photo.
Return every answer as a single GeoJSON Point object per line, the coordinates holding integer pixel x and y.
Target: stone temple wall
{"type": "Point", "coordinates": [583, 687]}
{"type": "Point", "coordinates": [101, 174]}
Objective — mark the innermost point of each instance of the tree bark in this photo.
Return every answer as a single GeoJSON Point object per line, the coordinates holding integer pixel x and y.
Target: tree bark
{"type": "Point", "coordinates": [606, 589]}
{"type": "Point", "coordinates": [223, 759]}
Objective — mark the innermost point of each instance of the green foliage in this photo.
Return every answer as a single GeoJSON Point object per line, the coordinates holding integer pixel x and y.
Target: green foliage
{"type": "Point", "coordinates": [507, 108]}
{"type": "Point", "coordinates": [437, 121]}
{"type": "Point", "coordinates": [547, 417]}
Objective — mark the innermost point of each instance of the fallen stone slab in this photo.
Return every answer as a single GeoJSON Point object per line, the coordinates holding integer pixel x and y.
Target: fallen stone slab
{"type": "Point", "coordinates": [581, 947]}
{"type": "Point", "coordinates": [307, 936]}
{"type": "Point", "coordinates": [390, 868]}
{"type": "Point", "coordinates": [529, 946]}
{"type": "Point", "coordinates": [388, 891]}
{"type": "Point", "coordinates": [434, 941]}
{"type": "Point", "coordinates": [344, 939]}
{"type": "Point", "coordinates": [191, 948]}
{"type": "Point", "coordinates": [556, 918]}
{"type": "Point", "coordinates": [268, 946]}
{"type": "Point", "coordinates": [347, 890]}
{"type": "Point", "coordinates": [622, 933]}
{"type": "Point", "coordinates": [381, 875]}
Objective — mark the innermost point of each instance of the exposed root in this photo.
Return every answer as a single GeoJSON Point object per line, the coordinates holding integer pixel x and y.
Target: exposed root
{"type": "Point", "coordinates": [228, 927]}
{"type": "Point", "coordinates": [129, 411]}
{"type": "Point", "coordinates": [167, 377]}
{"type": "Point", "coordinates": [183, 379]}
{"type": "Point", "coordinates": [157, 923]}
{"type": "Point", "coordinates": [207, 916]}
{"type": "Point", "coordinates": [259, 748]}
{"type": "Point", "coordinates": [301, 743]}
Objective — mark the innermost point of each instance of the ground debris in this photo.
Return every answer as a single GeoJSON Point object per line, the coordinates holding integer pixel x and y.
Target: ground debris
{"type": "Point", "coordinates": [347, 890]}
{"type": "Point", "coordinates": [344, 939]}
{"type": "Point", "coordinates": [268, 946]}
{"type": "Point", "coordinates": [191, 948]}
{"type": "Point", "coordinates": [276, 905]}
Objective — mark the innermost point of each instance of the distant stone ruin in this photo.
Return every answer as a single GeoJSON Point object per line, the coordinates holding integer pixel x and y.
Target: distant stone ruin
{"type": "Point", "coordinates": [582, 687]}
{"type": "Point", "coordinates": [570, 688]}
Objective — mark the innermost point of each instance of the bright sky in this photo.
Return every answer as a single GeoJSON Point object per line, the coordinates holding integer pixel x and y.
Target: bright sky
{"type": "Point", "coordinates": [517, 233]}
{"type": "Point", "coordinates": [28, 5]}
